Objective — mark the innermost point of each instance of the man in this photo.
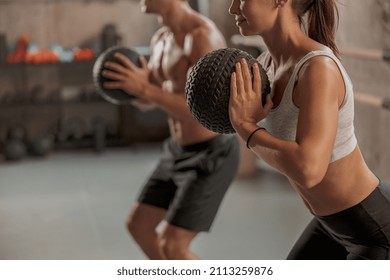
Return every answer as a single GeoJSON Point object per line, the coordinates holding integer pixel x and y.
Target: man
{"type": "Point", "coordinates": [197, 166]}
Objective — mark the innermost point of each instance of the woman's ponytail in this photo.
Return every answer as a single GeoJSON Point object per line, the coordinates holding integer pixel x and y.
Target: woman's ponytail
{"type": "Point", "coordinates": [322, 20]}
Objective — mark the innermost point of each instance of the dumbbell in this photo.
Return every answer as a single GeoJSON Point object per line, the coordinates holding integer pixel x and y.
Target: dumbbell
{"type": "Point", "coordinates": [208, 87]}
{"type": "Point", "coordinates": [115, 96]}
{"type": "Point", "coordinates": [42, 145]}
{"type": "Point", "coordinates": [15, 148]}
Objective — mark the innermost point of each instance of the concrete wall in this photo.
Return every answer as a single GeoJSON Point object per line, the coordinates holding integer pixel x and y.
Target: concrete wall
{"type": "Point", "coordinates": [363, 24]}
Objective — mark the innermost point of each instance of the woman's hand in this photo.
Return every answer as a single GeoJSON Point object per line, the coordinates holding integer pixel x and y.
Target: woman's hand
{"type": "Point", "coordinates": [245, 106]}
{"type": "Point", "coordinates": [125, 75]}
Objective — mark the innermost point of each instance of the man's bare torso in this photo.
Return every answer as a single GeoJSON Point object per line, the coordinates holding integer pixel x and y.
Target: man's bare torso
{"type": "Point", "coordinates": [169, 63]}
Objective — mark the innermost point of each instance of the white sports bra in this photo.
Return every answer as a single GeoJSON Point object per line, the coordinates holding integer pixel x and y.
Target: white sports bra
{"type": "Point", "coordinates": [282, 120]}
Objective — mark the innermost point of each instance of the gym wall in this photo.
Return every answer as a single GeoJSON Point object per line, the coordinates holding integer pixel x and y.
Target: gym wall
{"type": "Point", "coordinates": [74, 23]}
{"type": "Point", "coordinates": [80, 22]}
{"type": "Point", "coordinates": [364, 24]}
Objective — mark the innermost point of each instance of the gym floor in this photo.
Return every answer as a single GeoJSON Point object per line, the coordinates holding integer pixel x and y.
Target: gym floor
{"type": "Point", "coordinates": [73, 205]}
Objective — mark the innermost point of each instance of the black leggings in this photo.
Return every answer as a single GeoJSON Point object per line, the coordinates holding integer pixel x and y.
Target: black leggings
{"type": "Point", "coordinates": [357, 233]}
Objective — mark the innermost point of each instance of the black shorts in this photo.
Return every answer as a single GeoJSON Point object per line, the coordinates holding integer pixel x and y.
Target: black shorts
{"type": "Point", "coordinates": [357, 233]}
{"type": "Point", "coordinates": [191, 181]}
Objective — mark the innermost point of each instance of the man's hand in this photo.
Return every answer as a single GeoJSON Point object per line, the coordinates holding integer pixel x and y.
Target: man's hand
{"type": "Point", "coordinates": [125, 75]}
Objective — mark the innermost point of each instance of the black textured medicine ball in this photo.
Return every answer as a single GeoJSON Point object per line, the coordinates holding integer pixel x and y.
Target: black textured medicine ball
{"type": "Point", "coordinates": [208, 87]}
{"type": "Point", "coordinates": [115, 96]}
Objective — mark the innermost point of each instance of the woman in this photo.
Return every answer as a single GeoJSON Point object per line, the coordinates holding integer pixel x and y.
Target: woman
{"type": "Point", "coordinates": [305, 130]}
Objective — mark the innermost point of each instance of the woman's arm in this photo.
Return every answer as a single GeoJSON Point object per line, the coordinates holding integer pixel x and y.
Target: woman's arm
{"type": "Point", "coordinates": [317, 94]}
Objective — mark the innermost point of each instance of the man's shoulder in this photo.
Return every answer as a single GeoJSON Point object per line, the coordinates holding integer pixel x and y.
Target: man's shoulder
{"type": "Point", "coordinates": [201, 41]}
{"type": "Point", "coordinates": [204, 30]}
{"type": "Point", "coordinates": [207, 35]}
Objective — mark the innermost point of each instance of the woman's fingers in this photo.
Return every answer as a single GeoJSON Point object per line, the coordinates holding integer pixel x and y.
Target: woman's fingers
{"type": "Point", "coordinates": [245, 96]}
{"type": "Point", "coordinates": [256, 79]}
{"type": "Point", "coordinates": [239, 79]}
{"type": "Point", "coordinates": [245, 83]}
{"type": "Point", "coordinates": [233, 85]}
{"type": "Point", "coordinates": [246, 75]}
